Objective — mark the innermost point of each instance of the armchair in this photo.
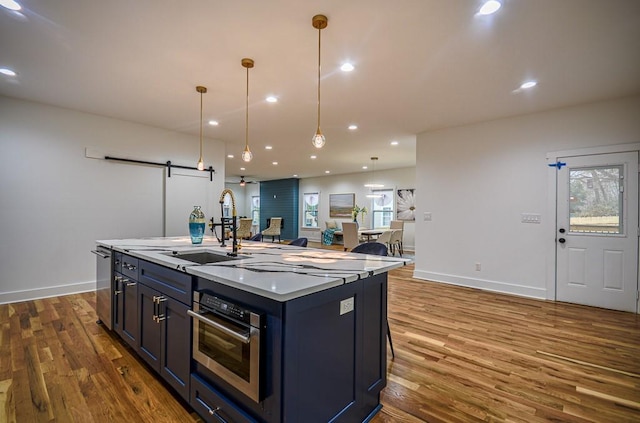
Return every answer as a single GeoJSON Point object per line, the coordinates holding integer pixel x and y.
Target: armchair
{"type": "Point", "coordinates": [244, 229]}
{"type": "Point", "coordinates": [274, 229]}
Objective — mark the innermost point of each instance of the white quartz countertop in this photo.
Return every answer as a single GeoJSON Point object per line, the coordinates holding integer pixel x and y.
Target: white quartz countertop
{"type": "Point", "coordinates": [277, 271]}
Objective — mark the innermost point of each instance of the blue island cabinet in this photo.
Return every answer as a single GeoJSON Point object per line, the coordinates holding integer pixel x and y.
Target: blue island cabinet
{"type": "Point", "coordinates": [165, 326]}
{"type": "Point", "coordinates": [125, 299]}
{"type": "Point", "coordinates": [324, 357]}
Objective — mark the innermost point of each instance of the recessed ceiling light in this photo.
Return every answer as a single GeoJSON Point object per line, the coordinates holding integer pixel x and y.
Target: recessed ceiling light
{"type": "Point", "coordinates": [327, 171]}
{"type": "Point", "coordinates": [214, 123]}
{"type": "Point", "coordinates": [274, 163]}
{"type": "Point", "coordinates": [347, 67]}
{"type": "Point", "coordinates": [295, 175]}
{"type": "Point", "coordinates": [394, 142]}
{"type": "Point", "coordinates": [229, 156]}
{"type": "Point", "coordinates": [242, 168]}
{"type": "Point", "coordinates": [10, 4]}
{"type": "Point", "coordinates": [313, 157]}
{"type": "Point", "coordinates": [272, 99]}
{"type": "Point", "coordinates": [365, 167]}
{"type": "Point", "coordinates": [528, 84]}
{"type": "Point", "coordinates": [489, 7]}
{"type": "Point", "coordinates": [268, 147]}
{"type": "Point", "coordinates": [8, 72]}
{"type": "Point", "coordinates": [353, 127]}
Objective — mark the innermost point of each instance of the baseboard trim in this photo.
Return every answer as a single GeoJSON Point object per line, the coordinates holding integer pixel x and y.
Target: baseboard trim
{"type": "Point", "coordinates": [484, 284]}
{"type": "Point", "coordinates": [47, 292]}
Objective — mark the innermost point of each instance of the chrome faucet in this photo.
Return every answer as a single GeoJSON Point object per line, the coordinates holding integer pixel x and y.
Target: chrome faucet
{"type": "Point", "coordinates": [234, 244]}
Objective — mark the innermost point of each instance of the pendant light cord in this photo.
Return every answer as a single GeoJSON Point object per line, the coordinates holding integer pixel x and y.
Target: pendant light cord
{"type": "Point", "coordinates": [246, 135]}
{"type": "Point", "coordinates": [200, 125]}
{"type": "Point", "coordinates": [319, 46]}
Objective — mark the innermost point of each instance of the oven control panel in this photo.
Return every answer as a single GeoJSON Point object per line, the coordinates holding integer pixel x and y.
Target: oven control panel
{"type": "Point", "coordinates": [225, 307]}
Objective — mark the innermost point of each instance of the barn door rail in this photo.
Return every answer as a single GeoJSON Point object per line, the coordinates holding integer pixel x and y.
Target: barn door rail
{"type": "Point", "coordinates": [168, 165]}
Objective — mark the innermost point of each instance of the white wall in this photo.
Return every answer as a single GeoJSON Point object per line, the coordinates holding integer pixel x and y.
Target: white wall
{"type": "Point", "coordinates": [354, 183]}
{"type": "Point", "coordinates": [55, 202]}
{"type": "Point", "coordinates": [476, 180]}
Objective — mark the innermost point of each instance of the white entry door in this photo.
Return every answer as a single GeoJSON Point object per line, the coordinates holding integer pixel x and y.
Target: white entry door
{"type": "Point", "coordinates": [597, 230]}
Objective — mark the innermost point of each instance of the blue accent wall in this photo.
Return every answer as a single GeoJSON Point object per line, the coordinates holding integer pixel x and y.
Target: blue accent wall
{"type": "Point", "coordinates": [280, 199]}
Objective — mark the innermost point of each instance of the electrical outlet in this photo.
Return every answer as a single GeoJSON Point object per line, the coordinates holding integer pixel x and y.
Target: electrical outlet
{"type": "Point", "coordinates": [346, 306]}
{"type": "Point", "coordinates": [478, 267]}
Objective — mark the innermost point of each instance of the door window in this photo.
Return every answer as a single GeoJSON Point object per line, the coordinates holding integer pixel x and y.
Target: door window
{"type": "Point", "coordinates": [595, 200]}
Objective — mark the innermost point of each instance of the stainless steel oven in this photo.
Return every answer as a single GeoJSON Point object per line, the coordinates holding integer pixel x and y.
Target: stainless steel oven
{"type": "Point", "coordinates": [226, 340]}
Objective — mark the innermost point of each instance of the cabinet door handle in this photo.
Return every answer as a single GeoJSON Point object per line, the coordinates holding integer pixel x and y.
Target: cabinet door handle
{"type": "Point", "coordinates": [155, 309]}
{"type": "Point", "coordinates": [157, 317]}
{"type": "Point", "coordinates": [131, 283]}
{"type": "Point", "coordinates": [161, 315]}
{"type": "Point", "coordinates": [118, 290]}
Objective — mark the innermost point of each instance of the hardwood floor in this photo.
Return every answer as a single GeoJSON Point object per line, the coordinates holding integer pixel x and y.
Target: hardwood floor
{"type": "Point", "coordinates": [462, 355]}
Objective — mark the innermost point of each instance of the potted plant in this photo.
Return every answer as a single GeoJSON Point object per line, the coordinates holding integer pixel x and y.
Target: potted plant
{"type": "Point", "coordinates": [357, 210]}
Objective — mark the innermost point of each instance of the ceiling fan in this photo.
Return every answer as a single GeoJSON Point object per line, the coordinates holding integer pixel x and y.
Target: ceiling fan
{"type": "Point", "coordinates": [242, 182]}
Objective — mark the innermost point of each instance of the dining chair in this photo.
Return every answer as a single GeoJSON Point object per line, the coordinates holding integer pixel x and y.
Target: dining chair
{"type": "Point", "coordinates": [350, 235]}
{"type": "Point", "coordinates": [374, 248]}
{"type": "Point", "coordinates": [385, 238]}
{"type": "Point", "coordinates": [397, 224]}
{"type": "Point", "coordinates": [274, 229]}
{"type": "Point", "coordinates": [300, 242]}
{"type": "Point", "coordinates": [256, 237]}
{"type": "Point", "coordinates": [379, 249]}
{"type": "Point", "coordinates": [395, 241]}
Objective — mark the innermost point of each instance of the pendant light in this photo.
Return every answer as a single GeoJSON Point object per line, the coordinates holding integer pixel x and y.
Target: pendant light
{"type": "Point", "coordinates": [246, 154]}
{"type": "Point", "coordinates": [319, 22]}
{"type": "Point", "coordinates": [372, 184]}
{"type": "Point", "coordinates": [201, 90]}
{"type": "Point", "coordinates": [242, 181]}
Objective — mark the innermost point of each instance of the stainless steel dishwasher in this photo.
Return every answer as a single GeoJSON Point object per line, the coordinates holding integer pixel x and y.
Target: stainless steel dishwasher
{"type": "Point", "coordinates": [104, 286]}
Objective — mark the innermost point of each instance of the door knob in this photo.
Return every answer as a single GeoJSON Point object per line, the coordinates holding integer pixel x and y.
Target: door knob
{"type": "Point", "coordinates": [562, 240]}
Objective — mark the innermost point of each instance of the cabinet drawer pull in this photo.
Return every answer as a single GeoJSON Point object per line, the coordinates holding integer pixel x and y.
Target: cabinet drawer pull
{"type": "Point", "coordinates": [212, 411]}
{"type": "Point", "coordinates": [215, 414]}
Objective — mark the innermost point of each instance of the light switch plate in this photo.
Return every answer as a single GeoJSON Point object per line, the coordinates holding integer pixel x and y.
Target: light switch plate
{"type": "Point", "coordinates": [346, 306]}
{"type": "Point", "coordinates": [427, 216]}
{"type": "Point", "coordinates": [530, 218]}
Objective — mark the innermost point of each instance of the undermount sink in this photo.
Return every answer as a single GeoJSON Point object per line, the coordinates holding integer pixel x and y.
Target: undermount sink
{"type": "Point", "coordinates": [202, 257]}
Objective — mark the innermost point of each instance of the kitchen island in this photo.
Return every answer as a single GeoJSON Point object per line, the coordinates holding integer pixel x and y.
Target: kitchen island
{"type": "Point", "coordinates": [277, 334]}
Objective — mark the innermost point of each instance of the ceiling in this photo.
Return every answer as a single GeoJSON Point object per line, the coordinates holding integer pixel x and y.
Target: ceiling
{"type": "Point", "coordinates": [420, 65]}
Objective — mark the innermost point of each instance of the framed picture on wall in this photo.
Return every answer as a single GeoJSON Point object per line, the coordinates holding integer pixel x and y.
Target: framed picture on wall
{"type": "Point", "coordinates": [406, 204]}
{"type": "Point", "coordinates": [341, 205]}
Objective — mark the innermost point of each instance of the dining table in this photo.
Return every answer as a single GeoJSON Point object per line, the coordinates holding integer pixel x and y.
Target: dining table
{"type": "Point", "coordinates": [369, 233]}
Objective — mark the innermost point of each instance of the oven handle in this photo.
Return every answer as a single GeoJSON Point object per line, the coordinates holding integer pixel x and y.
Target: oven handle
{"type": "Point", "coordinates": [246, 339]}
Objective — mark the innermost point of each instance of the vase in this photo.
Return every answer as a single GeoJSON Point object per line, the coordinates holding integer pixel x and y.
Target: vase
{"type": "Point", "coordinates": [196, 225]}
{"type": "Point", "coordinates": [355, 220]}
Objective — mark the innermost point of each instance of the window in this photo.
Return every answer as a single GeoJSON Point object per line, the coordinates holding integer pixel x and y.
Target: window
{"type": "Point", "coordinates": [310, 210]}
{"type": "Point", "coordinates": [382, 208]}
{"type": "Point", "coordinates": [255, 210]}
{"type": "Point", "coordinates": [226, 206]}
